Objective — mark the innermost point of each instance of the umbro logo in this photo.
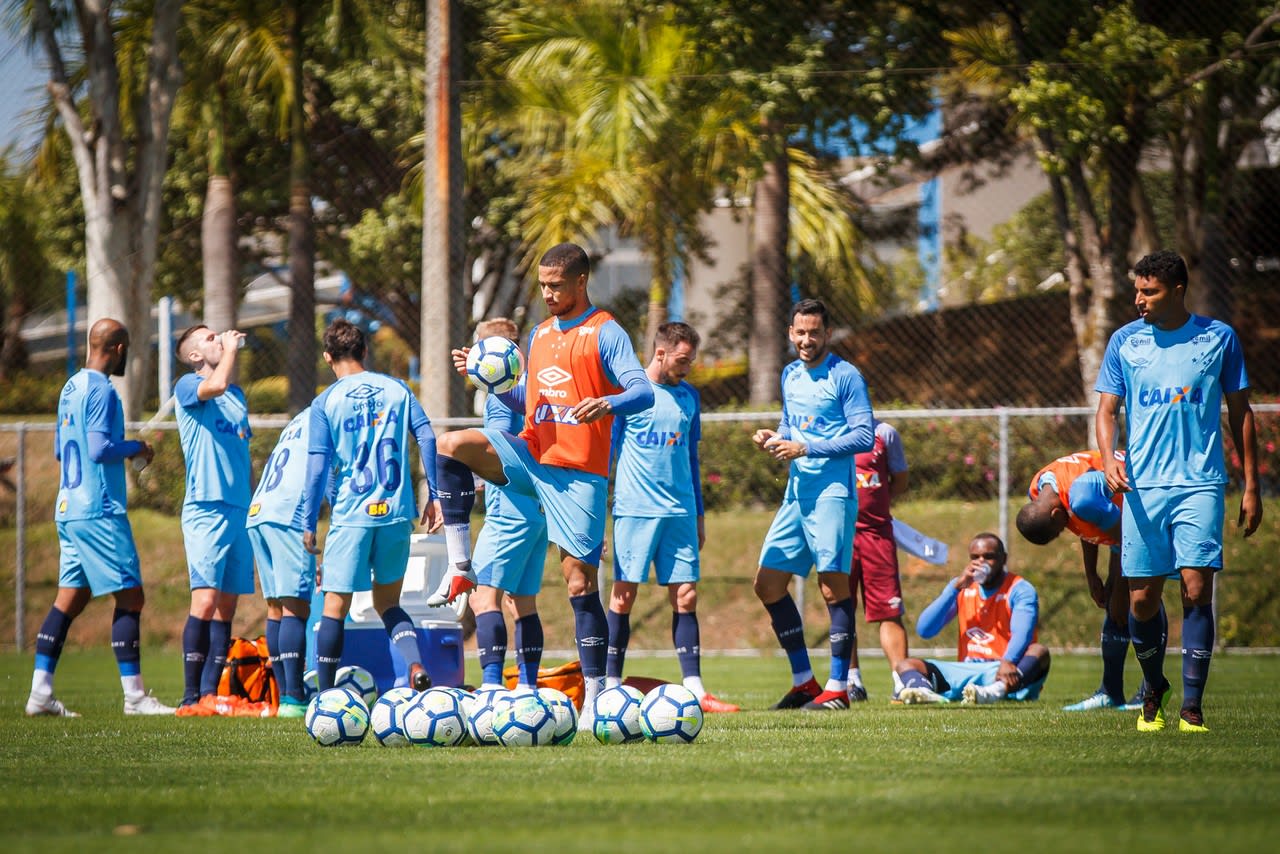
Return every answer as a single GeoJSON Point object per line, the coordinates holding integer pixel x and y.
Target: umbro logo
{"type": "Point", "coordinates": [554, 375]}
{"type": "Point", "coordinates": [364, 391]}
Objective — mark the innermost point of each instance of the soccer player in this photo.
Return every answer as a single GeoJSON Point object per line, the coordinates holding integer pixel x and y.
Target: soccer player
{"type": "Point", "coordinates": [1172, 369]}
{"type": "Point", "coordinates": [882, 478]}
{"type": "Point", "coordinates": [98, 555]}
{"type": "Point", "coordinates": [361, 424]}
{"type": "Point", "coordinates": [582, 371]}
{"type": "Point", "coordinates": [213, 425]}
{"type": "Point", "coordinates": [657, 509]}
{"type": "Point", "coordinates": [1071, 493]}
{"type": "Point", "coordinates": [510, 554]}
{"type": "Point", "coordinates": [826, 420]}
{"type": "Point", "coordinates": [998, 657]}
{"type": "Point", "coordinates": [287, 570]}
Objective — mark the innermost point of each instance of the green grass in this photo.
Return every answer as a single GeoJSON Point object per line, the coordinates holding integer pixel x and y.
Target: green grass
{"type": "Point", "coordinates": [876, 778]}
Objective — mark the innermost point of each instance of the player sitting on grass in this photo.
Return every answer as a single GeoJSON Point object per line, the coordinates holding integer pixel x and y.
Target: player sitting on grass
{"type": "Point", "coordinates": [510, 554]}
{"type": "Point", "coordinates": [657, 509]}
{"type": "Point", "coordinates": [998, 658]}
{"type": "Point", "coordinates": [1071, 493]}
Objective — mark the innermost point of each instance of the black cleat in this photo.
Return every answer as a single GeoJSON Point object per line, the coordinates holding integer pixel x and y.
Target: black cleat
{"type": "Point", "coordinates": [419, 680]}
{"type": "Point", "coordinates": [799, 695]}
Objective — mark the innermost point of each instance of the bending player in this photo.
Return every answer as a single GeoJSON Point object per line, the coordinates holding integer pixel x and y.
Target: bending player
{"type": "Point", "coordinates": [286, 570]}
{"type": "Point", "coordinates": [657, 509]}
{"type": "Point", "coordinates": [361, 424]}
{"type": "Point", "coordinates": [826, 419]}
{"type": "Point", "coordinates": [582, 371]}
{"type": "Point", "coordinates": [1071, 493]}
{"type": "Point", "coordinates": [98, 555]}
{"type": "Point", "coordinates": [997, 657]}
{"type": "Point", "coordinates": [510, 554]}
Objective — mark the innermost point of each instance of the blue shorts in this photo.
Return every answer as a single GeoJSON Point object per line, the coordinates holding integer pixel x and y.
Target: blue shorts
{"type": "Point", "coordinates": [949, 678]}
{"type": "Point", "coordinates": [511, 550]}
{"type": "Point", "coordinates": [352, 554]}
{"type": "Point", "coordinates": [218, 550]}
{"type": "Point", "coordinates": [808, 533]}
{"type": "Point", "coordinates": [98, 554]}
{"type": "Point", "coordinates": [1164, 529]}
{"type": "Point", "coordinates": [574, 501]}
{"type": "Point", "coordinates": [670, 543]}
{"type": "Point", "coordinates": [285, 568]}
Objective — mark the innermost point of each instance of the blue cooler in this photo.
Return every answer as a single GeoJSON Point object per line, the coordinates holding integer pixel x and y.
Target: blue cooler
{"type": "Point", "coordinates": [365, 640]}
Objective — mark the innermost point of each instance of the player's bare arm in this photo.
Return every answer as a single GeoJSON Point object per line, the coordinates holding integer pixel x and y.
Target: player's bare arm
{"type": "Point", "coordinates": [1105, 429]}
{"type": "Point", "coordinates": [1097, 590]}
{"type": "Point", "coordinates": [1245, 437]}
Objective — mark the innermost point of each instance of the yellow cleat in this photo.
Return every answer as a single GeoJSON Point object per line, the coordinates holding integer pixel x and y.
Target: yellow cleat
{"type": "Point", "coordinates": [1191, 720]}
{"type": "Point", "coordinates": [1152, 717]}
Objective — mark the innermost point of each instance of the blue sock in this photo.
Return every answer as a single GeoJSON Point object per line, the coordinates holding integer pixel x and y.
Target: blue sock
{"type": "Point", "coordinates": [491, 644]}
{"type": "Point", "coordinates": [1029, 668]}
{"type": "Point", "coordinates": [125, 635]}
{"type": "Point", "coordinates": [456, 487]}
{"type": "Point", "coordinates": [1197, 652]}
{"type": "Point", "coordinates": [273, 650]}
{"type": "Point", "coordinates": [619, 639]}
{"type": "Point", "coordinates": [529, 642]}
{"type": "Point", "coordinates": [914, 679]}
{"type": "Point", "coordinates": [1115, 649]}
{"type": "Point", "coordinates": [399, 626]}
{"type": "Point", "coordinates": [219, 643]}
{"type": "Point", "coordinates": [591, 631]}
{"type": "Point", "coordinates": [1149, 638]}
{"type": "Point", "coordinates": [195, 649]}
{"type": "Point", "coordinates": [842, 638]}
{"type": "Point", "coordinates": [50, 638]}
{"type": "Point", "coordinates": [789, 629]}
{"type": "Point", "coordinates": [293, 654]}
{"type": "Point", "coordinates": [329, 639]}
{"type": "Point", "coordinates": [686, 639]}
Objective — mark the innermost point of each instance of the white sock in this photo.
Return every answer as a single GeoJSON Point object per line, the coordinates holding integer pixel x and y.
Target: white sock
{"type": "Point", "coordinates": [897, 682]}
{"type": "Point", "coordinates": [997, 689]}
{"type": "Point", "coordinates": [133, 688]}
{"type": "Point", "coordinates": [837, 685]}
{"type": "Point", "coordinates": [798, 679]}
{"type": "Point", "coordinates": [694, 684]}
{"type": "Point", "coordinates": [592, 686]}
{"type": "Point", "coordinates": [457, 540]}
{"type": "Point", "coordinates": [612, 681]}
{"type": "Point", "coordinates": [41, 683]}
{"type": "Point", "coordinates": [855, 678]}
{"type": "Point", "coordinates": [491, 686]}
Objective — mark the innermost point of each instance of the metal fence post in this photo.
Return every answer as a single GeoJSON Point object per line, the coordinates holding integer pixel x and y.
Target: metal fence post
{"type": "Point", "coordinates": [1003, 416]}
{"type": "Point", "coordinates": [20, 575]}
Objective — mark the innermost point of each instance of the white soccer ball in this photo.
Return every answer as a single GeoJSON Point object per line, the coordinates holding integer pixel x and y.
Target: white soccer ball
{"type": "Point", "coordinates": [522, 719]}
{"type": "Point", "coordinates": [434, 719]}
{"type": "Point", "coordinates": [310, 684]}
{"type": "Point", "coordinates": [337, 717]}
{"type": "Point", "coordinates": [494, 364]}
{"type": "Point", "coordinates": [617, 715]}
{"type": "Point", "coordinates": [671, 713]}
{"type": "Point", "coordinates": [359, 680]}
{"type": "Point", "coordinates": [385, 718]}
{"type": "Point", "coordinates": [480, 717]}
{"type": "Point", "coordinates": [466, 702]}
{"type": "Point", "coordinates": [566, 714]}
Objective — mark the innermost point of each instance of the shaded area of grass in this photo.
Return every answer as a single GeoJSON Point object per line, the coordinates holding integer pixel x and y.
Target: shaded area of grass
{"type": "Point", "coordinates": [878, 777]}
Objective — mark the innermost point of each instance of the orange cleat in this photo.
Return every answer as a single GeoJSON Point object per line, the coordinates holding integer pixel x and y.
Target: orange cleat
{"type": "Point", "coordinates": [712, 703]}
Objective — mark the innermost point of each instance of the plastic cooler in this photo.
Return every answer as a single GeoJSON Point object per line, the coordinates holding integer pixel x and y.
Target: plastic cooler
{"type": "Point", "coordinates": [365, 640]}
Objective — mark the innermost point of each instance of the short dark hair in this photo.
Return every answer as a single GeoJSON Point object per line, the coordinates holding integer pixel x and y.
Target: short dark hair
{"type": "Point", "coordinates": [570, 258]}
{"type": "Point", "coordinates": [1165, 266]}
{"type": "Point", "coordinates": [344, 340]}
{"type": "Point", "coordinates": [811, 306]}
{"type": "Point", "coordinates": [1035, 523]}
{"type": "Point", "coordinates": [987, 535]}
{"type": "Point", "coordinates": [184, 337]}
{"type": "Point", "coordinates": [674, 332]}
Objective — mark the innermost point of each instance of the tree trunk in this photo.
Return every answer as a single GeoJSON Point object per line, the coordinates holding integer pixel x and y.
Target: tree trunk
{"type": "Point", "coordinates": [302, 241]}
{"type": "Point", "coordinates": [218, 235]}
{"type": "Point", "coordinates": [770, 282]}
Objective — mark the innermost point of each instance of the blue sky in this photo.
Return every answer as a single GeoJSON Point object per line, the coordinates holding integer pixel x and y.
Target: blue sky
{"type": "Point", "coordinates": [20, 90]}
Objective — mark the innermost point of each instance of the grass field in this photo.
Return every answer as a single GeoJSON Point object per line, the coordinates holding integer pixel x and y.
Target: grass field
{"type": "Point", "coordinates": [876, 778]}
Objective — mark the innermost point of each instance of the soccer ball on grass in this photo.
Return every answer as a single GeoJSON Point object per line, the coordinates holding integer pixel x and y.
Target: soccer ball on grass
{"type": "Point", "coordinates": [522, 719]}
{"type": "Point", "coordinates": [434, 719]}
{"type": "Point", "coordinates": [617, 715]}
{"type": "Point", "coordinates": [337, 717]}
{"type": "Point", "coordinates": [359, 680]}
{"type": "Point", "coordinates": [385, 718]}
{"type": "Point", "coordinates": [670, 713]}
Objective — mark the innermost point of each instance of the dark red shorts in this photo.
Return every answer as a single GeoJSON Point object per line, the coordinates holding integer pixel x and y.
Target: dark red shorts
{"type": "Point", "coordinates": [875, 570]}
